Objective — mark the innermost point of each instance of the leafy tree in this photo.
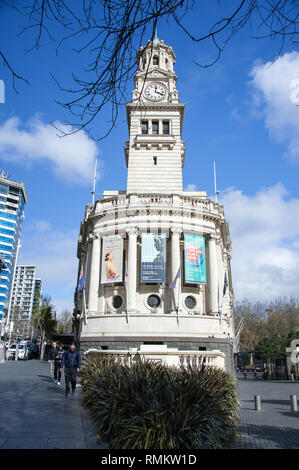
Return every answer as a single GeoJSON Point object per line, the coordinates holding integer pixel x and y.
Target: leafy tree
{"type": "Point", "coordinates": [44, 318]}
{"type": "Point", "coordinates": [268, 327]}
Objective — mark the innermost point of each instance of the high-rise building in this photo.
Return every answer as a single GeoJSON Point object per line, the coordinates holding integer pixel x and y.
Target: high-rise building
{"type": "Point", "coordinates": [156, 258]}
{"type": "Point", "coordinates": [23, 291]}
{"type": "Point", "coordinates": [12, 201]}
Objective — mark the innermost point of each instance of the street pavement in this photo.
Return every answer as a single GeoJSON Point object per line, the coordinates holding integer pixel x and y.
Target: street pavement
{"type": "Point", "coordinates": [34, 413]}
{"type": "Point", "coordinates": [275, 426]}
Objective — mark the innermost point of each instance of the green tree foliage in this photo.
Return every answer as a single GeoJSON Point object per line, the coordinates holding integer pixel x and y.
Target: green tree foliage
{"type": "Point", "coordinates": [268, 327]}
{"type": "Point", "coordinates": [151, 406]}
{"type": "Point", "coordinates": [43, 318]}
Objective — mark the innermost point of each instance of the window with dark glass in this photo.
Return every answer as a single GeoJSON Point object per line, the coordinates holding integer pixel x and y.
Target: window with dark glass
{"type": "Point", "coordinates": [117, 301]}
{"type": "Point", "coordinates": [165, 127]}
{"type": "Point", "coordinates": [155, 60]}
{"type": "Point", "coordinates": [153, 301]}
{"type": "Point", "coordinates": [144, 127]}
{"type": "Point", "coordinates": [190, 302]}
{"type": "Point", "coordinates": [155, 127]}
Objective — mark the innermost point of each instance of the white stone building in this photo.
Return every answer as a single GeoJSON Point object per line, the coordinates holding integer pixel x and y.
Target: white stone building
{"type": "Point", "coordinates": [128, 296]}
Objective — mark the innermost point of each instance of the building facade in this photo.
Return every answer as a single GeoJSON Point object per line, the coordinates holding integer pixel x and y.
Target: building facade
{"type": "Point", "coordinates": [12, 201]}
{"type": "Point", "coordinates": [155, 258]}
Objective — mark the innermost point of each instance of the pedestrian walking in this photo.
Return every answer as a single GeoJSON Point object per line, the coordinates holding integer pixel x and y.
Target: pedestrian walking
{"type": "Point", "coordinates": [51, 358]}
{"type": "Point", "coordinates": [255, 374]}
{"type": "Point", "coordinates": [71, 362]}
{"type": "Point", "coordinates": [245, 374]}
{"type": "Point", "coordinates": [57, 363]}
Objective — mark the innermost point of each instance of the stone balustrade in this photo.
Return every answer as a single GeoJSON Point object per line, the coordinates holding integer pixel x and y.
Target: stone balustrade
{"type": "Point", "coordinates": [171, 202]}
{"type": "Point", "coordinates": [170, 358]}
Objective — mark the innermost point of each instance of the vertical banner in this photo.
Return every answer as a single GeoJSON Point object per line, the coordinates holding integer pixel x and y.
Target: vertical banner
{"type": "Point", "coordinates": [112, 260]}
{"type": "Point", "coordinates": [153, 258]}
{"type": "Point", "coordinates": [195, 259]}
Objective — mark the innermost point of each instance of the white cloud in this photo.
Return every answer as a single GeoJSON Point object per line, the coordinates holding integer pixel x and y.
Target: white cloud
{"type": "Point", "coordinates": [71, 157]}
{"type": "Point", "coordinates": [265, 242]}
{"type": "Point", "coordinates": [191, 187]}
{"type": "Point", "coordinates": [275, 93]}
{"type": "Point", "coordinates": [42, 225]}
{"type": "Point", "coordinates": [53, 252]}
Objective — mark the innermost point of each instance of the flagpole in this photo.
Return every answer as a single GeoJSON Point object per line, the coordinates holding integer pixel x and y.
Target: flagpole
{"type": "Point", "coordinates": [126, 289]}
{"type": "Point", "coordinates": [84, 304]}
{"type": "Point", "coordinates": [177, 312]}
{"type": "Point", "coordinates": [94, 180]}
{"type": "Point", "coordinates": [215, 186]}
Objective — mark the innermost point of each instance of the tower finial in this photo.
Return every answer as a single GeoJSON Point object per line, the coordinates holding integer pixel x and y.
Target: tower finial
{"type": "Point", "coordinates": [156, 39]}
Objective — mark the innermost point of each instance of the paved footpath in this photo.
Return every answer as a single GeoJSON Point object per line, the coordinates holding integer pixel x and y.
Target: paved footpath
{"type": "Point", "coordinates": [275, 426]}
{"type": "Point", "coordinates": [34, 413]}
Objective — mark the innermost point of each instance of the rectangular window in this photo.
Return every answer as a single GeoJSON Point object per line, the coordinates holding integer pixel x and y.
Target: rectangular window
{"type": "Point", "coordinates": [165, 127]}
{"type": "Point", "coordinates": [144, 127]}
{"type": "Point", "coordinates": [155, 160]}
{"type": "Point", "coordinates": [155, 127]}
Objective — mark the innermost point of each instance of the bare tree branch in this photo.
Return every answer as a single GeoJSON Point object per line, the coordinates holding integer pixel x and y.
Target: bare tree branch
{"type": "Point", "coordinates": [112, 31]}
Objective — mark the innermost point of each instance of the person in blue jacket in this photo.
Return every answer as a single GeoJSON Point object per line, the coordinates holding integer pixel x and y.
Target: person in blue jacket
{"type": "Point", "coordinates": [71, 362]}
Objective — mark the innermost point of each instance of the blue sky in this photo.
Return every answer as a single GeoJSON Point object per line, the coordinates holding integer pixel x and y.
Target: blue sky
{"type": "Point", "coordinates": [238, 113]}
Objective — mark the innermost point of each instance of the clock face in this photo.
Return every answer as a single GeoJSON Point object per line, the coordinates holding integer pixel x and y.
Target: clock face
{"type": "Point", "coordinates": [155, 91]}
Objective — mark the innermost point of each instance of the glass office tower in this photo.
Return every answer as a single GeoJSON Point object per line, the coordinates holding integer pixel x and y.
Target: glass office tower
{"type": "Point", "coordinates": [12, 202]}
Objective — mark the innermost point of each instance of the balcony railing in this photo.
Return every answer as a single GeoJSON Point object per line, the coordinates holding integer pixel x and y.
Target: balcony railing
{"type": "Point", "coordinates": [171, 358]}
{"type": "Point", "coordinates": [175, 201]}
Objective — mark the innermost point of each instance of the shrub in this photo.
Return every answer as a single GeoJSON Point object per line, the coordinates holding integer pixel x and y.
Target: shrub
{"type": "Point", "coordinates": [151, 406]}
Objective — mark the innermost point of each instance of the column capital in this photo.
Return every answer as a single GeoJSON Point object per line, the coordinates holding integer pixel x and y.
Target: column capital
{"type": "Point", "coordinates": [95, 235]}
{"type": "Point", "coordinates": [132, 231]}
{"type": "Point", "coordinates": [212, 237]}
{"type": "Point", "coordinates": [176, 230]}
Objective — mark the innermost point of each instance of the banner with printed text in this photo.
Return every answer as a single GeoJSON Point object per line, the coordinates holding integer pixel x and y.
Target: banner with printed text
{"type": "Point", "coordinates": [195, 259]}
{"type": "Point", "coordinates": [153, 258]}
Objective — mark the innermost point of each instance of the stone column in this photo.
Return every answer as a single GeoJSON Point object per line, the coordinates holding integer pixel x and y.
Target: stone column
{"type": "Point", "coordinates": [94, 280]}
{"type": "Point", "coordinates": [213, 275]}
{"type": "Point", "coordinates": [175, 263]}
{"type": "Point", "coordinates": [132, 270]}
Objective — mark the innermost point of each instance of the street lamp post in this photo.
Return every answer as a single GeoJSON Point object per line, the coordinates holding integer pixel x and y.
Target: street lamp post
{"type": "Point", "coordinates": [2, 344]}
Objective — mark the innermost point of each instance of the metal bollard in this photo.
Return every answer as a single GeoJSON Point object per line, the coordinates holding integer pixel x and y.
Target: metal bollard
{"type": "Point", "coordinates": [293, 400]}
{"type": "Point", "coordinates": [257, 402]}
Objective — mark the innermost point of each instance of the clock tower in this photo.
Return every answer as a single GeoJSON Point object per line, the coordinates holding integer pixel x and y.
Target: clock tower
{"type": "Point", "coordinates": [155, 152]}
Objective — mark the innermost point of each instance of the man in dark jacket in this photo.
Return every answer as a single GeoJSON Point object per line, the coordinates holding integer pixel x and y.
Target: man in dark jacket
{"type": "Point", "coordinates": [71, 362]}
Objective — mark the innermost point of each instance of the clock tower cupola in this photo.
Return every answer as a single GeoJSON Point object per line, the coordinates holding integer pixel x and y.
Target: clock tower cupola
{"type": "Point", "coordinates": [155, 152]}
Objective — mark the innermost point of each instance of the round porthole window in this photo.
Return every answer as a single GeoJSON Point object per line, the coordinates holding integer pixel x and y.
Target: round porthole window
{"type": "Point", "coordinates": [190, 302]}
{"type": "Point", "coordinates": [153, 301]}
{"type": "Point", "coordinates": [117, 302]}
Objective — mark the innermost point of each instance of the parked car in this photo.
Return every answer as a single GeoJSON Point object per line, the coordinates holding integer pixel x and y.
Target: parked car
{"type": "Point", "coordinates": [11, 352]}
{"type": "Point", "coordinates": [23, 352]}
{"type": "Point", "coordinates": [33, 348]}
{"type": "Point", "coordinates": [258, 368]}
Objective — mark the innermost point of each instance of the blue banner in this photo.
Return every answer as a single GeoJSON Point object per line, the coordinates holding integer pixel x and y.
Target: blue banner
{"type": "Point", "coordinates": [153, 258]}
